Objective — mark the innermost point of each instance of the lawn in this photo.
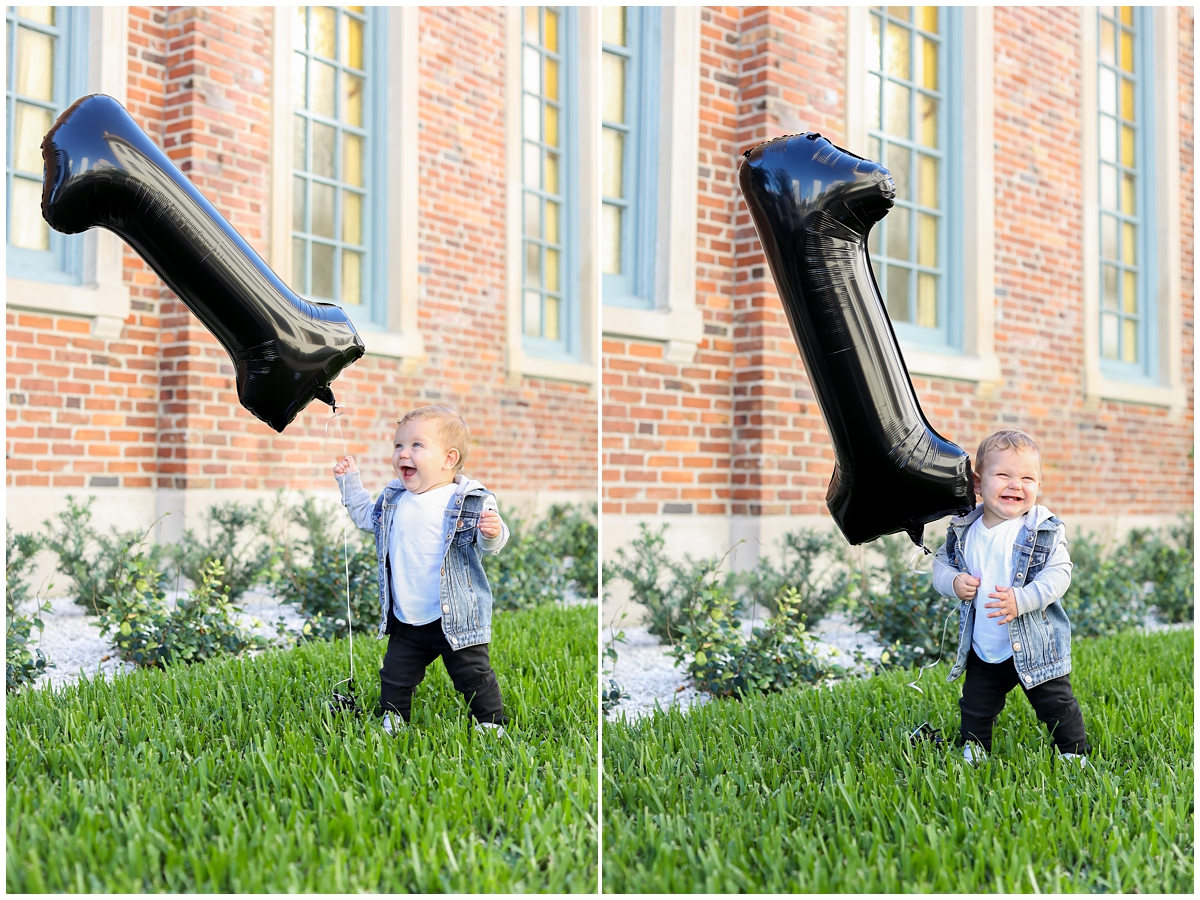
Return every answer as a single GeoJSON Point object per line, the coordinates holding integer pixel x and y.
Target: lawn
{"type": "Point", "coordinates": [820, 790]}
{"type": "Point", "coordinates": [232, 776]}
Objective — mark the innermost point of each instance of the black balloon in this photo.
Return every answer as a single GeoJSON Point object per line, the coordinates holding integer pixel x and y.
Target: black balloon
{"type": "Point", "coordinates": [103, 170]}
{"type": "Point", "coordinates": [813, 205]}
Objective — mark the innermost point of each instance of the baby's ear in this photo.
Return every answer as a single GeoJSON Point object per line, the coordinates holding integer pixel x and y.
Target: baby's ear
{"type": "Point", "coordinates": [451, 458]}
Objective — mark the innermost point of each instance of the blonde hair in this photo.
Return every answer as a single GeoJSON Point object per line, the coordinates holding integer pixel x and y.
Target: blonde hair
{"type": "Point", "coordinates": [1006, 439]}
{"type": "Point", "coordinates": [452, 430]}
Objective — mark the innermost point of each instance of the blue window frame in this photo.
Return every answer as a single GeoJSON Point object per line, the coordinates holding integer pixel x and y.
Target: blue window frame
{"type": "Point", "coordinates": [549, 204]}
{"type": "Point", "coordinates": [631, 52]}
{"type": "Point", "coordinates": [338, 222]}
{"type": "Point", "coordinates": [1127, 347]}
{"type": "Point", "coordinates": [914, 128]}
{"type": "Point", "coordinates": [47, 71]}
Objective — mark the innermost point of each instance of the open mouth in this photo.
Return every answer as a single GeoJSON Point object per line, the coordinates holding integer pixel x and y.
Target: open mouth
{"type": "Point", "coordinates": [407, 471]}
{"type": "Point", "coordinates": [1010, 498]}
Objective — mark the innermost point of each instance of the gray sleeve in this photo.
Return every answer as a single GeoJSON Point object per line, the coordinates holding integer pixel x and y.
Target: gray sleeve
{"type": "Point", "coordinates": [493, 545]}
{"type": "Point", "coordinates": [943, 574]}
{"type": "Point", "coordinates": [1050, 583]}
{"type": "Point", "coordinates": [356, 499]}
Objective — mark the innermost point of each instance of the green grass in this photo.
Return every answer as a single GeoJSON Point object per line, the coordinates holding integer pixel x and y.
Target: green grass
{"type": "Point", "coordinates": [232, 776]}
{"type": "Point", "coordinates": [820, 791]}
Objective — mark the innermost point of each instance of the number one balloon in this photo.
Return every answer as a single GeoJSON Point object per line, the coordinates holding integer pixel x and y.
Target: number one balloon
{"type": "Point", "coordinates": [102, 170]}
{"type": "Point", "coordinates": [813, 205]}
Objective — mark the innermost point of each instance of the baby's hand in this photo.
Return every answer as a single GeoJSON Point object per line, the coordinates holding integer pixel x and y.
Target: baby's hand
{"type": "Point", "coordinates": [965, 586]}
{"type": "Point", "coordinates": [490, 524]}
{"type": "Point", "coordinates": [344, 465]}
{"type": "Point", "coordinates": [1006, 605]}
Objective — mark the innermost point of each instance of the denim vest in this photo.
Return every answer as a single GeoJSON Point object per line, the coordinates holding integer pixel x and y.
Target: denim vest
{"type": "Point", "coordinates": [1040, 637]}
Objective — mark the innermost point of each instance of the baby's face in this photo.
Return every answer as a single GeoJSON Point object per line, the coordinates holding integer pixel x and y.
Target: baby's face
{"type": "Point", "coordinates": [420, 458]}
{"type": "Point", "coordinates": [1008, 484]}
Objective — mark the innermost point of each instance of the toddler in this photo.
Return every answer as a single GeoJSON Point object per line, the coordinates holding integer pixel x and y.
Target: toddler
{"type": "Point", "coordinates": [1016, 552]}
{"type": "Point", "coordinates": [431, 525]}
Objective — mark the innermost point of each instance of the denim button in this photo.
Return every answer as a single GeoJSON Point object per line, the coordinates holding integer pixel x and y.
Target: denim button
{"type": "Point", "coordinates": [443, 570]}
{"type": "Point", "coordinates": [445, 608]}
{"type": "Point", "coordinates": [1028, 678]}
{"type": "Point", "coordinates": [459, 523]}
{"type": "Point", "coordinates": [450, 535]}
{"type": "Point", "coordinates": [454, 640]}
{"type": "Point", "coordinates": [1017, 645]}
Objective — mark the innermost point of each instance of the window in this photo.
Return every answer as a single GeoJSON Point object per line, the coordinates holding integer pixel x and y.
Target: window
{"type": "Point", "coordinates": [548, 285]}
{"type": "Point", "coordinates": [629, 74]}
{"type": "Point", "coordinates": [47, 66]}
{"type": "Point", "coordinates": [1124, 194]}
{"type": "Point", "coordinates": [334, 227]}
{"type": "Point", "coordinates": [909, 131]}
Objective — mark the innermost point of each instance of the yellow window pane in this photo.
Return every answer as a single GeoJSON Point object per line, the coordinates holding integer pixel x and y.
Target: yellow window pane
{"type": "Point", "coordinates": [1129, 195]}
{"type": "Point", "coordinates": [1129, 342]}
{"type": "Point", "coordinates": [1108, 336]}
{"type": "Point", "coordinates": [1128, 243]}
{"type": "Point", "coordinates": [929, 64]}
{"type": "Point", "coordinates": [533, 166]}
{"type": "Point", "coordinates": [614, 25]}
{"type": "Point", "coordinates": [1127, 51]}
{"type": "Point", "coordinates": [552, 233]}
{"type": "Point", "coordinates": [613, 163]}
{"type": "Point", "coordinates": [927, 121]}
{"type": "Point", "coordinates": [35, 65]}
{"type": "Point", "coordinates": [1108, 237]}
{"type": "Point", "coordinates": [27, 228]}
{"type": "Point", "coordinates": [533, 265]}
{"type": "Point", "coordinates": [1108, 92]}
{"type": "Point", "coordinates": [323, 198]}
{"type": "Point", "coordinates": [1108, 43]}
{"type": "Point", "coordinates": [927, 18]}
{"type": "Point", "coordinates": [927, 240]}
{"type": "Point", "coordinates": [611, 238]}
{"type": "Point", "coordinates": [551, 40]}
{"type": "Point", "coordinates": [873, 88]}
{"type": "Point", "coordinates": [927, 306]}
{"type": "Point", "coordinates": [1126, 14]}
{"type": "Point", "coordinates": [31, 125]}
{"type": "Point", "coordinates": [324, 76]}
{"type": "Point", "coordinates": [1127, 146]}
{"type": "Point", "coordinates": [927, 181]}
{"type": "Point", "coordinates": [898, 52]}
{"type": "Point", "coordinates": [875, 47]}
{"type": "Point", "coordinates": [551, 136]}
{"type": "Point", "coordinates": [899, 163]}
{"type": "Point", "coordinates": [322, 271]}
{"type": "Point", "coordinates": [1129, 297]}
{"type": "Point", "coordinates": [900, 12]}
{"type": "Point", "coordinates": [300, 29]}
{"type": "Point", "coordinates": [352, 206]}
{"type": "Point", "coordinates": [1127, 95]}
{"type": "Point", "coordinates": [552, 173]}
{"type": "Point", "coordinates": [352, 42]}
{"type": "Point", "coordinates": [357, 9]}
{"type": "Point", "coordinates": [352, 100]}
{"type": "Point", "coordinates": [551, 332]}
{"type": "Point", "coordinates": [43, 14]}
{"type": "Point", "coordinates": [897, 110]}
{"type": "Point", "coordinates": [533, 216]}
{"type": "Point", "coordinates": [531, 70]}
{"type": "Point", "coordinates": [299, 204]}
{"type": "Point", "coordinates": [552, 282]}
{"type": "Point", "coordinates": [324, 31]}
{"type": "Point", "coordinates": [533, 313]}
{"type": "Point", "coordinates": [299, 81]}
{"type": "Point", "coordinates": [351, 277]}
{"type": "Point", "coordinates": [551, 79]}
{"type": "Point", "coordinates": [614, 88]}
{"type": "Point", "coordinates": [532, 32]}
{"type": "Point", "coordinates": [352, 159]}
{"type": "Point", "coordinates": [299, 144]}
{"type": "Point", "coordinates": [324, 138]}
{"type": "Point", "coordinates": [1109, 292]}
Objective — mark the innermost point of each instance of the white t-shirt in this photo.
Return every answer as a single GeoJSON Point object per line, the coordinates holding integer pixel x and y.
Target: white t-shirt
{"type": "Point", "coordinates": [989, 556]}
{"type": "Point", "coordinates": [416, 554]}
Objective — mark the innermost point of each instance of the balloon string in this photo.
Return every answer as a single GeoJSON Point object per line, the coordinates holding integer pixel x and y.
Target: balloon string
{"type": "Point", "coordinates": [337, 412]}
{"type": "Point", "coordinates": [912, 567]}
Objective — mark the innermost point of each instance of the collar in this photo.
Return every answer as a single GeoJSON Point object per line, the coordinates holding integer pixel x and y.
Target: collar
{"type": "Point", "coordinates": [1033, 519]}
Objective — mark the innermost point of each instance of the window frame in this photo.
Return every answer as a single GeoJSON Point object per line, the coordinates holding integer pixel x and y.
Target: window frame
{"type": "Point", "coordinates": [635, 286]}
{"type": "Point", "coordinates": [63, 262]}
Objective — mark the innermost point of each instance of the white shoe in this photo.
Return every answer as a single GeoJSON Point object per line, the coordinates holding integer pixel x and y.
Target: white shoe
{"type": "Point", "coordinates": [973, 753]}
{"type": "Point", "coordinates": [1079, 757]}
{"type": "Point", "coordinates": [490, 728]}
{"type": "Point", "coordinates": [392, 722]}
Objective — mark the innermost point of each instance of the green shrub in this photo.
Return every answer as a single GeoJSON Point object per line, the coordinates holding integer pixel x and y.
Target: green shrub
{"type": "Point", "coordinates": [811, 566]}
{"type": "Point", "coordinates": [236, 536]}
{"type": "Point", "coordinates": [311, 571]}
{"type": "Point", "coordinates": [1166, 565]}
{"type": "Point", "coordinates": [1105, 596]}
{"type": "Point", "coordinates": [573, 535]}
{"type": "Point", "coordinates": [908, 617]}
{"type": "Point", "coordinates": [22, 662]}
{"type": "Point", "coordinates": [529, 571]}
{"type": "Point", "coordinates": [87, 557]}
{"type": "Point", "coordinates": [148, 633]}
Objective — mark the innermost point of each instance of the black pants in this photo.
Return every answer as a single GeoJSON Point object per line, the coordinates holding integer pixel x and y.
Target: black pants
{"type": "Point", "coordinates": [984, 692]}
{"type": "Point", "coordinates": [411, 648]}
